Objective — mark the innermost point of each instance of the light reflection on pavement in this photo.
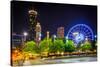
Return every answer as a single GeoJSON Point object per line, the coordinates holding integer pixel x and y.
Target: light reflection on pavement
{"type": "Point", "coordinates": [73, 60]}
{"type": "Point", "coordinates": [55, 61]}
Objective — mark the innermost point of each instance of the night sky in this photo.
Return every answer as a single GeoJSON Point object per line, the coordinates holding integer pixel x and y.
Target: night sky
{"type": "Point", "coordinates": [51, 16]}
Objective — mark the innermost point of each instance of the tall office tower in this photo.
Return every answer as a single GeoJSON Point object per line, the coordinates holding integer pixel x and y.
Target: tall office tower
{"type": "Point", "coordinates": [32, 24]}
{"type": "Point", "coordinates": [38, 33]}
{"type": "Point", "coordinates": [60, 32]}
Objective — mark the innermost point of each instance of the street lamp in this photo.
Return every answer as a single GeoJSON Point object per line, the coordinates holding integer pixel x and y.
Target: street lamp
{"type": "Point", "coordinates": [95, 37]}
{"type": "Point", "coordinates": [25, 34]}
{"type": "Point", "coordinates": [54, 36]}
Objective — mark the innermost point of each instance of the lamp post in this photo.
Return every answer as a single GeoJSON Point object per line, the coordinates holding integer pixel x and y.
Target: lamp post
{"type": "Point", "coordinates": [95, 37]}
{"type": "Point", "coordinates": [54, 36]}
{"type": "Point", "coordinates": [25, 35]}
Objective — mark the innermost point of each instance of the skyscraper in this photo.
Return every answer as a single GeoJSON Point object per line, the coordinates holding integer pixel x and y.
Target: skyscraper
{"type": "Point", "coordinates": [38, 33]}
{"type": "Point", "coordinates": [32, 24]}
{"type": "Point", "coordinates": [60, 32]}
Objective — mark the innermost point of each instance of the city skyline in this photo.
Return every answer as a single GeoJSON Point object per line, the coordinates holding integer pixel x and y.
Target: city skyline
{"type": "Point", "coordinates": [51, 17]}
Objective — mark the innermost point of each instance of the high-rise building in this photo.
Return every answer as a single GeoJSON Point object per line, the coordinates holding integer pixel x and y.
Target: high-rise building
{"type": "Point", "coordinates": [32, 24]}
{"type": "Point", "coordinates": [38, 33]}
{"type": "Point", "coordinates": [60, 32]}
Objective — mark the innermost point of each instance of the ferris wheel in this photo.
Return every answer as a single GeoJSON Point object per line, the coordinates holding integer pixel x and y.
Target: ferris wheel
{"type": "Point", "coordinates": [79, 33]}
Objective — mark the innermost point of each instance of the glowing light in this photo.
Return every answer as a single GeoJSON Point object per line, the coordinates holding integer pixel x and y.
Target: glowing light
{"type": "Point", "coordinates": [16, 51]}
{"type": "Point", "coordinates": [54, 36]}
{"type": "Point", "coordinates": [32, 12]}
{"type": "Point", "coordinates": [86, 38]}
{"type": "Point", "coordinates": [95, 36]}
{"type": "Point", "coordinates": [79, 37]}
{"type": "Point", "coordinates": [40, 34]}
{"type": "Point", "coordinates": [75, 33]}
{"type": "Point", "coordinates": [39, 38]}
{"type": "Point", "coordinates": [25, 33]}
{"type": "Point", "coordinates": [66, 37]}
{"type": "Point", "coordinates": [62, 53]}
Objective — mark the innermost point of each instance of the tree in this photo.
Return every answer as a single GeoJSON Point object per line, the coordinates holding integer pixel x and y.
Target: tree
{"type": "Point", "coordinates": [31, 46]}
{"type": "Point", "coordinates": [57, 46]}
{"type": "Point", "coordinates": [86, 46]}
{"type": "Point", "coordinates": [69, 46]}
{"type": "Point", "coordinates": [52, 48]}
{"type": "Point", "coordinates": [44, 45]}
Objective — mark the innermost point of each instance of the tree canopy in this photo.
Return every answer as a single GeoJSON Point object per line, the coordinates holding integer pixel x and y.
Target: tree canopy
{"type": "Point", "coordinates": [57, 46]}
{"type": "Point", "coordinates": [86, 46]}
{"type": "Point", "coordinates": [44, 45]}
{"type": "Point", "coordinates": [31, 46]}
{"type": "Point", "coordinates": [69, 46]}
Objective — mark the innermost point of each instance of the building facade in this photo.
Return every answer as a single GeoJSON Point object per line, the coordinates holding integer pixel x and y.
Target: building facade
{"type": "Point", "coordinates": [60, 32]}
{"type": "Point", "coordinates": [38, 33]}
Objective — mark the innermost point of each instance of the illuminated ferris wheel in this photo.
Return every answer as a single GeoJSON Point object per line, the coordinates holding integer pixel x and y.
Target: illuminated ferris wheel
{"type": "Point", "coordinates": [79, 33]}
